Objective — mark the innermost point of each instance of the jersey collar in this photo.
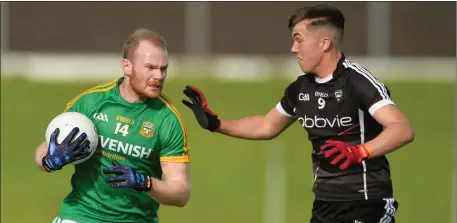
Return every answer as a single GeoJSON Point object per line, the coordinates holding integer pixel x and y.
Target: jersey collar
{"type": "Point", "coordinates": [338, 70]}
{"type": "Point", "coordinates": [323, 80]}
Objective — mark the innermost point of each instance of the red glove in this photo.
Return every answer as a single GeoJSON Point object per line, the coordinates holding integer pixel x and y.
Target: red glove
{"type": "Point", "coordinates": [353, 154]}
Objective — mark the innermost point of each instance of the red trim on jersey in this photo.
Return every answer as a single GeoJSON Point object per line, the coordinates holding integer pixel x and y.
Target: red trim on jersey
{"type": "Point", "coordinates": [341, 133]}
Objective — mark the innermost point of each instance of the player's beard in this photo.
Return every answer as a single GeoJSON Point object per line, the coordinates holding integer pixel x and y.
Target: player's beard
{"type": "Point", "coordinates": [142, 88]}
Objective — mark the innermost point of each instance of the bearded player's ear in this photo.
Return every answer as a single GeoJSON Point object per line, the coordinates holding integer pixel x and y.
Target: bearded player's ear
{"type": "Point", "coordinates": [126, 66]}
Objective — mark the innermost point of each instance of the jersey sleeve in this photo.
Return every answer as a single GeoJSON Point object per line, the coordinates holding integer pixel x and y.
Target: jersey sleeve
{"type": "Point", "coordinates": [173, 140]}
{"type": "Point", "coordinates": [85, 101]}
{"type": "Point", "coordinates": [372, 93]}
{"type": "Point", "coordinates": [287, 104]}
{"type": "Point", "coordinates": [75, 105]}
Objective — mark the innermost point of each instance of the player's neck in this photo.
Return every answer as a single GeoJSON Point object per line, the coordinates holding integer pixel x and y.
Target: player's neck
{"type": "Point", "coordinates": [128, 93]}
{"type": "Point", "coordinates": [328, 64]}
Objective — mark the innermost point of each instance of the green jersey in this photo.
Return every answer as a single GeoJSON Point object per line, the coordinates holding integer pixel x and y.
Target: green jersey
{"type": "Point", "coordinates": [137, 134]}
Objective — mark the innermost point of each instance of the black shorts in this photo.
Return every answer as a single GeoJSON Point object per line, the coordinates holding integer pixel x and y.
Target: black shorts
{"type": "Point", "coordinates": [370, 211]}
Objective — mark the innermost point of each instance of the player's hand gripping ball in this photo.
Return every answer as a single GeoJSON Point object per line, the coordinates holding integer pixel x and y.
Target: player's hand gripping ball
{"type": "Point", "coordinates": [72, 139]}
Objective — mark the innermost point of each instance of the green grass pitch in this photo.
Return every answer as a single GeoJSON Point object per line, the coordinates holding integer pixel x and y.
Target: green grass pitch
{"type": "Point", "coordinates": [228, 182]}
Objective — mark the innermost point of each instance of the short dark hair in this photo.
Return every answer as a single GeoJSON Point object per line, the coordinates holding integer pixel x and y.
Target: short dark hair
{"type": "Point", "coordinates": [322, 14]}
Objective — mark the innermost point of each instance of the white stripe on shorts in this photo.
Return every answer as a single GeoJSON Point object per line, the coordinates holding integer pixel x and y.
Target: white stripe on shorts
{"type": "Point", "coordinates": [390, 210]}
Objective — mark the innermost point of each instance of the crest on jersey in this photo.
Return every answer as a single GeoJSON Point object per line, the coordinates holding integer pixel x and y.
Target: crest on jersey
{"type": "Point", "coordinates": [147, 129]}
{"type": "Point", "coordinates": [338, 95]}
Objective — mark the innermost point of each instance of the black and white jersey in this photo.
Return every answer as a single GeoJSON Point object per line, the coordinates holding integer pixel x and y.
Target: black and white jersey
{"type": "Point", "coordinates": [341, 107]}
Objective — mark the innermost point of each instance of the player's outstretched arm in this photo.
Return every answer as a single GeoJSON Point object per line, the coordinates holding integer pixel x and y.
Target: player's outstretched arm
{"type": "Point", "coordinates": [397, 131]}
{"type": "Point", "coordinates": [257, 127]}
{"type": "Point", "coordinates": [260, 127]}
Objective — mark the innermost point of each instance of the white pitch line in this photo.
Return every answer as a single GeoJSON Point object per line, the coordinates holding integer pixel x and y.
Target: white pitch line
{"type": "Point", "coordinates": [275, 184]}
{"type": "Point", "coordinates": [454, 199]}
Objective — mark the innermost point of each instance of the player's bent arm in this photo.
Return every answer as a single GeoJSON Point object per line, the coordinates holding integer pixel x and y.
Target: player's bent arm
{"type": "Point", "coordinates": [397, 131]}
{"type": "Point", "coordinates": [259, 127]}
{"type": "Point", "coordinates": [174, 189]}
{"type": "Point", "coordinates": [40, 152]}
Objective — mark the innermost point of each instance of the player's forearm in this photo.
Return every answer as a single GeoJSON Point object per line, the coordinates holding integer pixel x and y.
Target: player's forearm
{"type": "Point", "coordinates": [250, 127]}
{"type": "Point", "coordinates": [173, 193]}
{"type": "Point", "coordinates": [390, 139]}
{"type": "Point", "coordinates": [39, 154]}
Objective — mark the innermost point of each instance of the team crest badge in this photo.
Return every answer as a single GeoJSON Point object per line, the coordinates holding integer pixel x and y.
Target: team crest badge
{"type": "Point", "coordinates": [147, 129]}
{"type": "Point", "coordinates": [338, 95]}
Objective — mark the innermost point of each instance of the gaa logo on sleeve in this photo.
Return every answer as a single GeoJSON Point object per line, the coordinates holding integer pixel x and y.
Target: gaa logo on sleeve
{"type": "Point", "coordinates": [147, 129]}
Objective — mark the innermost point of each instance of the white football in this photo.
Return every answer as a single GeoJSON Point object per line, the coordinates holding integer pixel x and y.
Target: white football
{"type": "Point", "coordinates": [66, 122]}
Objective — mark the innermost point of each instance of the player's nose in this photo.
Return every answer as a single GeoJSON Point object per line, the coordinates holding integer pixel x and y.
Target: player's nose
{"type": "Point", "coordinates": [294, 49]}
{"type": "Point", "coordinates": [158, 75]}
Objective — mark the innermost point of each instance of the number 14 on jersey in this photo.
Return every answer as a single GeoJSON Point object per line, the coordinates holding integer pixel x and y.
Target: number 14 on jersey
{"type": "Point", "coordinates": [122, 128]}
